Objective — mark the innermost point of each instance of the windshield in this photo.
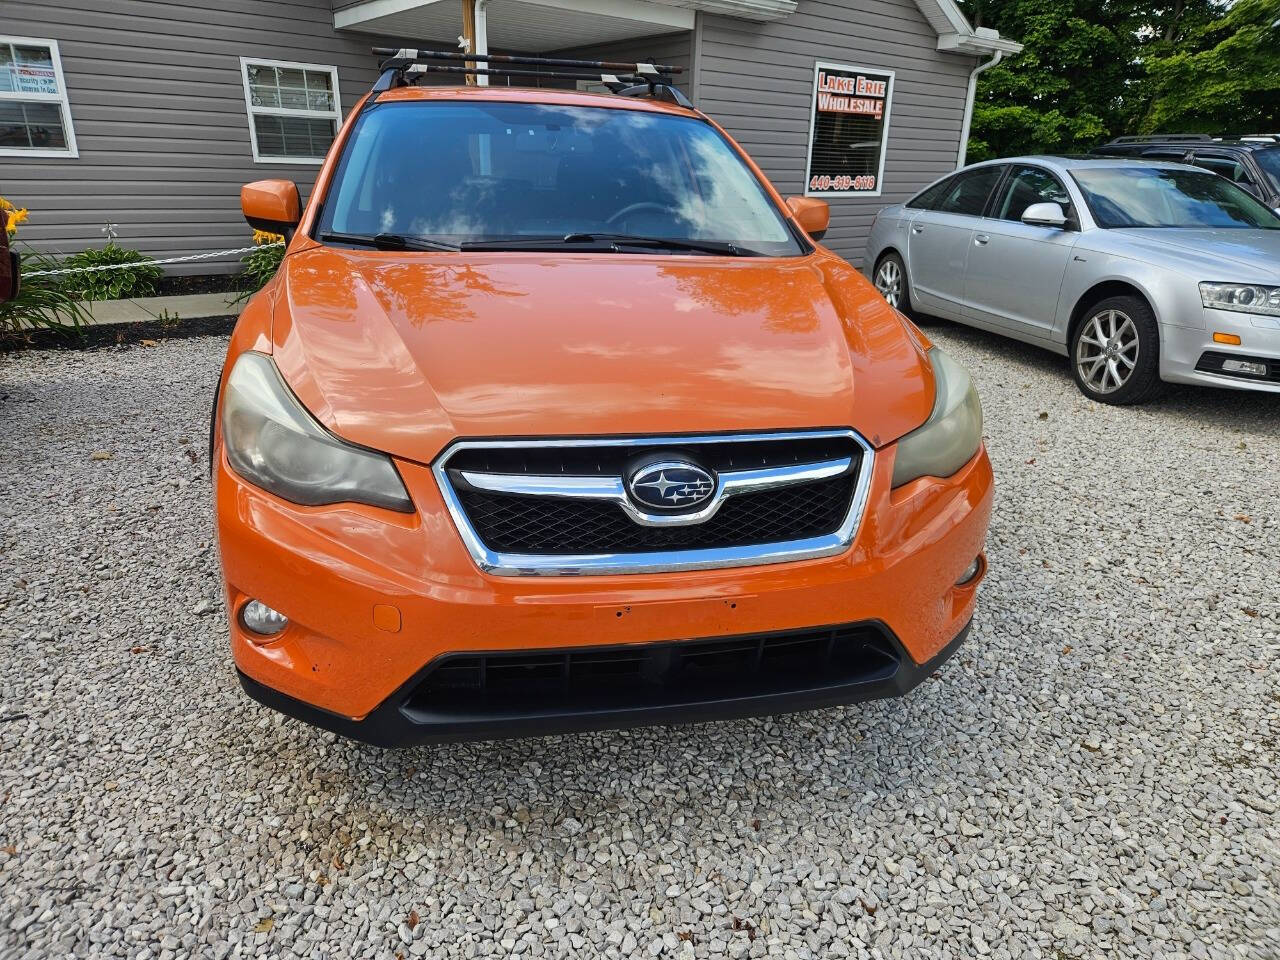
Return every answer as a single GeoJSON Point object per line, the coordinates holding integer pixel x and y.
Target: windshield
{"type": "Point", "coordinates": [1164, 197]}
{"type": "Point", "coordinates": [487, 171]}
{"type": "Point", "coordinates": [1269, 161]}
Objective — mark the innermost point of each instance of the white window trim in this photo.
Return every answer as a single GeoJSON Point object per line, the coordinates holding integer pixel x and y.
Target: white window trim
{"type": "Point", "coordinates": [818, 67]}
{"type": "Point", "coordinates": [335, 114]}
{"type": "Point", "coordinates": [60, 98]}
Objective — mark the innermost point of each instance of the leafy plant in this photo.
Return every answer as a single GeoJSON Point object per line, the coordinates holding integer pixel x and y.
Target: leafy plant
{"type": "Point", "coordinates": [260, 265]}
{"type": "Point", "coordinates": [137, 278]}
{"type": "Point", "coordinates": [41, 302]}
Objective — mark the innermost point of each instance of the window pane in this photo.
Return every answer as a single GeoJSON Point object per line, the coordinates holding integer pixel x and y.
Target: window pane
{"type": "Point", "coordinates": [1163, 197]}
{"type": "Point", "coordinates": [505, 170]}
{"type": "Point", "coordinates": [293, 137]}
{"type": "Point", "coordinates": [1030, 185]}
{"type": "Point", "coordinates": [27, 69]}
{"type": "Point", "coordinates": [969, 192]}
{"type": "Point", "coordinates": [929, 198]}
{"type": "Point", "coordinates": [293, 89]}
{"type": "Point", "coordinates": [1228, 167]}
{"type": "Point", "coordinates": [37, 126]}
{"type": "Point", "coordinates": [318, 81]}
{"type": "Point", "coordinates": [319, 91]}
{"type": "Point", "coordinates": [264, 96]}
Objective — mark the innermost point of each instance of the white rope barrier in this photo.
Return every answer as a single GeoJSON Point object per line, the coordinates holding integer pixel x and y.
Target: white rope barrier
{"type": "Point", "coordinates": [149, 263]}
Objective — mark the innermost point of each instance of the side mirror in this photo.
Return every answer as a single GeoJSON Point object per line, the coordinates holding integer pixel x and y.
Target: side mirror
{"type": "Point", "coordinates": [271, 205]}
{"type": "Point", "coordinates": [813, 215]}
{"type": "Point", "coordinates": [1044, 215]}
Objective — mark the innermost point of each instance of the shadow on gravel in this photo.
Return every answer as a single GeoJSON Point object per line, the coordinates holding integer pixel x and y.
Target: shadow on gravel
{"type": "Point", "coordinates": [846, 759]}
{"type": "Point", "coordinates": [1224, 406]}
{"type": "Point", "coordinates": [109, 335]}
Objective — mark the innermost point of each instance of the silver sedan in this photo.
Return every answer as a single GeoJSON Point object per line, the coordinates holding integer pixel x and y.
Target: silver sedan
{"type": "Point", "coordinates": [1140, 273]}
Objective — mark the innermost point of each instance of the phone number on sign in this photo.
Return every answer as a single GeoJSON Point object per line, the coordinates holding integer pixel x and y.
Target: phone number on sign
{"type": "Point", "coordinates": [864, 182]}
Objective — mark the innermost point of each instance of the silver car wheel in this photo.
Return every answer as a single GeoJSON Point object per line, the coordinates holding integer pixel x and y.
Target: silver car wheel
{"type": "Point", "coordinates": [1107, 351]}
{"type": "Point", "coordinates": [889, 282]}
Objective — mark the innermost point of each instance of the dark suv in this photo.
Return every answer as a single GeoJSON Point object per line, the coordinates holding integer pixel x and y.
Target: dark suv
{"type": "Point", "coordinates": [1252, 162]}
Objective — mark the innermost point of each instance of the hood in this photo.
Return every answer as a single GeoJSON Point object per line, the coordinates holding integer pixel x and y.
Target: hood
{"type": "Point", "coordinates": [1243, 256]}
{"type": "Point", "coordinates": [405, 352]}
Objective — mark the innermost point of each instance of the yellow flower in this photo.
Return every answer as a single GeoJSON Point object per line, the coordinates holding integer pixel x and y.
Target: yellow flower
{"type": "Point", "coordinates": [265, 236]}
{"type": "Point", "coordinates": [12, 217]}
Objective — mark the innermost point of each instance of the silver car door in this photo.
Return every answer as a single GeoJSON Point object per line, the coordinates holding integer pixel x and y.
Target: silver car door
{"type": "Point", "coordinates": [1015, 269]}
{"type": "Point", "coordinates": [939, 239]}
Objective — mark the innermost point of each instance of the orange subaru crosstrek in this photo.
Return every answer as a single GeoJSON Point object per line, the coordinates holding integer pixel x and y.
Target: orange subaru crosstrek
{"type": "Point", "coordinates": [555, 416]}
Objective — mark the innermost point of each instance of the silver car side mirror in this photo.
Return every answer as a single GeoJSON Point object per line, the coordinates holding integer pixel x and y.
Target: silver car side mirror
{"type": "Point", "coordinates": [1044, 215]}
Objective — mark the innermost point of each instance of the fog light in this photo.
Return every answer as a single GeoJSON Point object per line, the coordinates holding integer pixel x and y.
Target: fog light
{"type": "Point", "coordinates": [1244, 366]}
{"type": "Point", "coordinates": [971, 572]}
{"type": "Point", "coordinates": [262, 620]}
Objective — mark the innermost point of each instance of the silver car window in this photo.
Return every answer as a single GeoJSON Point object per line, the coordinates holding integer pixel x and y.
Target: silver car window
{"type": "Point", "coordinates": [969, 191]}
{"type": "Point", "coordinates": [1028, 185]}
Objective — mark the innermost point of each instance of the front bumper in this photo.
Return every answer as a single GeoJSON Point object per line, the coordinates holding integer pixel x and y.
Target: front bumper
{"type": "Point", "coordinates": [374, 598]}
{"type": "Point", "coordinates": [1181, 349]}
{"type": "Point", "coordinates": [407, 718]}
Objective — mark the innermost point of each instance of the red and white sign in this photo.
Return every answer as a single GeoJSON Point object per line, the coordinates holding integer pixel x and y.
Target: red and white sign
{"type": "Point", "coordinates": [848, 130]}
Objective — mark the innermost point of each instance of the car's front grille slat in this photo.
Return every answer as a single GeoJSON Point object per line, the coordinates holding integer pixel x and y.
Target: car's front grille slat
{"type": "Point", "coordinates": [654, 673]}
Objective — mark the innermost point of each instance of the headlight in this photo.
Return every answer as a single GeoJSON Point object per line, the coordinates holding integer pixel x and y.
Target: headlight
{"type": "Point", "coordinates": [953, 432]}
{"type": "Point", "coordinates": [1242, 297]}
{"type": "Point", "coordinates": [273, 442]}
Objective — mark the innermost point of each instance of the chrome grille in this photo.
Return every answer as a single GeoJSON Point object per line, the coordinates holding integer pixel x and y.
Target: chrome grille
{"type": "Point", "coordinates": [563, 507]}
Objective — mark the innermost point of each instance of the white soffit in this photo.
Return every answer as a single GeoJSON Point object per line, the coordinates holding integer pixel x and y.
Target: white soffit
{"type": "Point", "coordinates": [955, 35]}
{"type": "Point", "coordinates": [532, 25]}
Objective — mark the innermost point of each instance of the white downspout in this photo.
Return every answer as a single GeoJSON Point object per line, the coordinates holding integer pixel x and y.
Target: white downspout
{"type": "Point", "coordinates": [482, 38]}
{"type": "Point", "coordinates": [968, 105]}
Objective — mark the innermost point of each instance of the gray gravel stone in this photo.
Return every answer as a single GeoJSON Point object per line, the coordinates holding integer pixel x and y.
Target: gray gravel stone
{"type": "Point", "coordinates": [1093, 775]}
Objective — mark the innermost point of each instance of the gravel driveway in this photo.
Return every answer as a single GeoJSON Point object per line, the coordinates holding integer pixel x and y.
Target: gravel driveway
{"type": "Point", "coordinates": [1093, 775]}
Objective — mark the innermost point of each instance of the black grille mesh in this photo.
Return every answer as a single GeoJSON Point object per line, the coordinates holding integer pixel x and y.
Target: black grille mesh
{"type": "Point", "coordinates": [685, 671]}
{"type": "Point", "coordinates": [554, 525]}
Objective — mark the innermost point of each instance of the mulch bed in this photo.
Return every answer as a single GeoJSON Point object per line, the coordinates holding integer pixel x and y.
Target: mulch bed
{"type": "Point", "coordinates": [107, 336]}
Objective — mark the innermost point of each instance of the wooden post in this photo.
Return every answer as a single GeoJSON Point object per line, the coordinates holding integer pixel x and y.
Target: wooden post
{"type": "Point", "coordinates": [469, 34]}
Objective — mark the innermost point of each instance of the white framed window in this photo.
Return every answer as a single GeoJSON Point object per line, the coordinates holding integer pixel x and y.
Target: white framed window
{"type": "Point", "coordinates": [35, 117]}
{"type": "Point", "coordinates": [295, 109]}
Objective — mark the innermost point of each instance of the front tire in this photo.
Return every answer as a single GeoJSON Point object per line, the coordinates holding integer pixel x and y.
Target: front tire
{"type": "Point", "coordinates": [890, 278]}
{"type": "Point", "coordinates": [1115, 352]}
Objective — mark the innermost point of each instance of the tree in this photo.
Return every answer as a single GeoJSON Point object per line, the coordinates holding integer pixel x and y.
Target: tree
{"type": "Point", "coordinates": [1090, 70]}
{"type": "Point", "coordinates": [1224, 77]}
{"type": "Point", "coordinates": [1068, 88]}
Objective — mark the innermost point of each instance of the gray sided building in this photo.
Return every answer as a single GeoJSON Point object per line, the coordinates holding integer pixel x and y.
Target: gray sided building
{"type": "Point", "coordinates": [150, 114]}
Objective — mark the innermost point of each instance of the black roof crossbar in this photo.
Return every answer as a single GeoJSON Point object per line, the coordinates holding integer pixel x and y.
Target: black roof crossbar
{"type": "Point", "coordinates": [1164, 138]}
{"type": "Point", "coordinates": [631, 79]}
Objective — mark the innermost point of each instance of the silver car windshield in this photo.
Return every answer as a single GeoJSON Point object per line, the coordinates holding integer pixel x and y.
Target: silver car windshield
{"type": "Point", "coordinates": [488, 171]}
{"type": "Point", "coordinates": [1165, 197]}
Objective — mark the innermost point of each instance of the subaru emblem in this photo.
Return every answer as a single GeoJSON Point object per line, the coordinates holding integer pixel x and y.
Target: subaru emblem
{"type": "Point", "coordinates": [671, 485]}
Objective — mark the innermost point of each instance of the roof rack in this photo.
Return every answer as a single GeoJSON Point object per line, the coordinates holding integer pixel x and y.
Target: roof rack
{"type": "Point", "coordinates": [1164, 138]}
{"type": "Point", "coordinates": [628, 79]}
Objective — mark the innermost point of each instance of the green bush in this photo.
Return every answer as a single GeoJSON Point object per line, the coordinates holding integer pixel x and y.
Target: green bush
{"type": "Point", "coordinates": [260, 265]}
{"type": "Point", "coordinates": [42, 302]}
{"type": "Point", "coordinates": [139, 280]}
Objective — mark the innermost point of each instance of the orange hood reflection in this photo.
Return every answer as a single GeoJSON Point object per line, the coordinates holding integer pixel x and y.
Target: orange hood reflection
{"type": "Point", "coordinates": [404, 352]}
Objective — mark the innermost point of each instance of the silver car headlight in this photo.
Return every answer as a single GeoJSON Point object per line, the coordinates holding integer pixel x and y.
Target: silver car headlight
{"type": "Point", "coordinates": [273, 442]}
{"type": "Point", "coordinates": [952, 434]}
{"type": "Point", "coordinates": [1241, 297]}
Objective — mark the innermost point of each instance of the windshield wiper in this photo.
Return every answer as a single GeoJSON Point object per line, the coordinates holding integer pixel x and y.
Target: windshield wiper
{"type": "Point", "coordinates": [389, 241]}
{"type": "Point", "coordinates": [614, 241]}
